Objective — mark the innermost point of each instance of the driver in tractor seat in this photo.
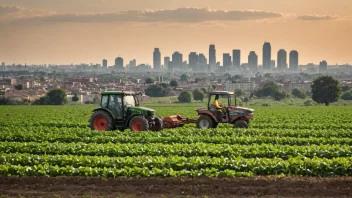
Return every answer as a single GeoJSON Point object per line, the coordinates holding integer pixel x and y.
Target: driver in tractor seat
{"type": "Point", "coordinates": [116, 105]}
{"type": "Point", "coordinates": [219, 109]}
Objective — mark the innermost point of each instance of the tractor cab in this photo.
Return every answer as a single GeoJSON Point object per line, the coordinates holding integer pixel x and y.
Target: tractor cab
{"type": "Point", "coordinates": [121, 110]}
{"type": "Point", "coordinates": [222, 108]}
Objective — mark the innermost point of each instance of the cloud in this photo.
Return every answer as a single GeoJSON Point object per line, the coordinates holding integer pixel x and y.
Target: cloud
{"type": "Point", "coordinates": [9, 13]}
{"type": "Point", "coordinates": [314, 17]}
{"type": "Point", "coordinates": [182, 15]}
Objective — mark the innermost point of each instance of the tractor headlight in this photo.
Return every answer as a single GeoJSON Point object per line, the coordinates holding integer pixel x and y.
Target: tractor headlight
{"type": "Point", "coordinates": [151, 113]}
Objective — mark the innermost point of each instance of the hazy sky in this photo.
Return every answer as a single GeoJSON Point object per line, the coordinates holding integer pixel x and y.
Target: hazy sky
{"type": "Point", "coordinates": [87, 31]}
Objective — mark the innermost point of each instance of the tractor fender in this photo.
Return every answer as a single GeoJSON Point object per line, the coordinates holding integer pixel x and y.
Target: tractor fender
{"type": "Point", "coordinates": [107, 110]}
{"type": "Point", "coordinates": [130, 118]}
{"type": "Point", "coordinates": [208, 114]}
{"type": "Point", "coordinates": [239, 118]}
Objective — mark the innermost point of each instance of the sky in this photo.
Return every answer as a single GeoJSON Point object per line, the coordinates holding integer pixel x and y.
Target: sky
{"type": "Point", "coordinates": [87, 31]}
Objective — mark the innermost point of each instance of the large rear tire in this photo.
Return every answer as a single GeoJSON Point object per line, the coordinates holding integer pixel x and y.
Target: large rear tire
{"type": "Point", "coordinates": [241, 124]}
{"type": "Point", "coordinates": [138, 124]}
{"type": "Point", "coordinates": [158, 125]}
{"type": "Point", "coordinates": [101, 121]}
{"type": "Point", "coordinates": [204, 122]}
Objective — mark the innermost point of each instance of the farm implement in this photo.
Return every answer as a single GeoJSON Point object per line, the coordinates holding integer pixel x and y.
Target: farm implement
{"type": "Point", "coordinates": [120, 110]}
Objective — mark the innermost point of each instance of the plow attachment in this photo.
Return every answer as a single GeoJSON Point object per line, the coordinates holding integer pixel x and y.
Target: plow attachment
{"type": "Point", "coordinates": [176, 121]}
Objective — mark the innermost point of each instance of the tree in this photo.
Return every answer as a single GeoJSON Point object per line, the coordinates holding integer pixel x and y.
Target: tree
{"type": "Point", "coordinates": [149, 81]}
{"type": "Point", "coordinates": [308, 103]}
{"type": "Point", "coordinates": [184, 78]}
{"type": "Point", "coordinates": [271, 89]}
{"type": "Point", "coordinates": [198, 95]}
{"type": "Point", "coordinates": [345, 88]}
{"type": "Point", "coordinates": [19, 87]}
{"type": "Point", "coordinates": [173, 83]}
{"type": "Point", "coordinates": [75, 98]}
{"type": "Point", "coordinates": [299, 93]}
{"type": "Point", "coordinates": [164, 85]}
{"type": "Point", "coordinates": [185, 97]}
{"type": "Point", "coordinates": [347, 95]}
{"type": "Point", "coordinates": [326, 89]}
{"type": "Point", "coordinates": [56, 97]}
{"type": "Point", "coordinates": [155, 91]}
{"type": "Point", "coordinates": [204, 90]}
{"type": "Point", "coordinates": [245, 99]}
{"type": "Point", "coordinates": [240, 92]}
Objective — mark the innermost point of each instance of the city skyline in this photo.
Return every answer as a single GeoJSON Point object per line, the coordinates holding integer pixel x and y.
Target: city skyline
{"type": "Point", "coordinates": [55, 32]}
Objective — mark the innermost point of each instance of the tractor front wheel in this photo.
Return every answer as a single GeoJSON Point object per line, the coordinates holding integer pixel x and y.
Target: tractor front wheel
{"type": "Point", "coordinates": [138, 124]}
{"type": "Point", "coordinates": [204, 122]}
{"type": "Point", "coordinates": [240, 124]}
{"type": "Point", "coordinates": [101, 121]}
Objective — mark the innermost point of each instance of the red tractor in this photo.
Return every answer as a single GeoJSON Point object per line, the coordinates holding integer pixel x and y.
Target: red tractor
{"type": "Point", "coordinates": [210, 117]}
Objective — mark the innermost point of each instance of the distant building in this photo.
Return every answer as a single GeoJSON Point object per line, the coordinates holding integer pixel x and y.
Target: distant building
{"type": "Point", "coordinates": [226, 60]}
{"type": "Point", "coordinates": [267, 56]}
{"type": "Point", "coordinates": [273, 64]}
{"type": "Point", "coordinates": [193, 59]}
{"type": "Point", "coordinates": [202, 60]}
{"type": "Point", "coordinates": [294, 60]}
{"type": "Point", "coordinates": [306, 86]}
{"type": "Point", "coordinates": [212, 55]}
{"type": "Point", "coordinates": [323, 66]}
{"type": "Point", "coordinates": [247, 86]}
{"type": "Point", "coordinates": [105, 63]}
{"type": "Point", "coordinates": [252, 60]}
{"type": "Point", "coordinates": [156, 59]}
{"type": "Point", "coordinates": [119, 63]}
{"type": "Point", "coordinates": [177, 61]}
{"type": "Point", "coordinates": [282, 59]}
{"type": "Point", "coordinates": [166, 62]}
{"type": "Point", "coordinates": [236, 57]}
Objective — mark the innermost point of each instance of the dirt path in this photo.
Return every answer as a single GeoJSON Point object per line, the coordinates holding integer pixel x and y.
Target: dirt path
{"type": "Point", "coordinates": [175, 187]}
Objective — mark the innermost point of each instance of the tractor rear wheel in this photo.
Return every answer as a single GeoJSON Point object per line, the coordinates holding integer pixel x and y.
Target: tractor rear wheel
{"type": "Point", "coordinates": [240, 124]}
{"type": "Point", "coordinates": [101, 121]}
{"type": "Point", "coordinates": [204, 122]}
{"type": "Point", "coordinates": [138, 124]}
{"type": "Point", "coordinates": [158, 124]}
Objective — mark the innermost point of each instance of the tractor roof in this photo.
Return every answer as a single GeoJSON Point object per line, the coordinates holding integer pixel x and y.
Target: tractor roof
{"type": "Point", "coordinates": [118, 93]}
{"type": "Point", "coordinates": [221, 93]}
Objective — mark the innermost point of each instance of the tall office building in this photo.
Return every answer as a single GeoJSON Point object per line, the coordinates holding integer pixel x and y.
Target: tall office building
{"type": "Point", "coordinates": [252, 60]}
{"type": "Point", "coordinates": [166, 62]}
{"type": "Point", "coordinates": [267, 56]}
{"type": "Point", "coordinates": [282, 59]}
{"type": "Point", "coordinates": [119, 63]}
{"type": "Point", "coordinates": [323, 66]}
{"type": "Point", "coordinates": [156, 59]}
{"type": "Point", "coordinates": [177, 60]}
{"type": "Point", "coordinates": [294, 60]}
{"type": "Point", "coordinates": [105, 63]}
{"type": "Point", "coordinates": [226, 60]}
{"type": "Point", "coordinates": [236, 57]}
{"type": "Point", "coordinates": [193, 59]}
{"type": "Point", "coordinates": [212, 55]}
{"type": "Point", "coordinates": [202, 60]}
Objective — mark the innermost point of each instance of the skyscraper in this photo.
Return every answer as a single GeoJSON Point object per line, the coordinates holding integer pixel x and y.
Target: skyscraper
{"type": "Point", "coordinates": [236, 57]}
{"type": "Point", "coordinates": [105, 63]}
{"type": "Point", "coordinates": [252, 60]}
{"type": "Point", "coordinates": [212, 55]}
{"type": "Point", "coordinates": [226, 60]}
{"type": "Point", "coordinates": [119, 63]}
{"type": "Point", "coordinates": [177, 60]}
{"type": "Point", "coordinates": [193, 60]}
{"type": "Point", "coordinates": [294, 60]}
{"type": "Point", "coordinates": [267, 56]}
{"type": "Point", "coordinates": [202, 60]}
{"type": "Point", "coordinates": [166, 62]}
{"type": "Point", "coordinates": [156, 59]}
{"type": "Point", "coordinates": [323, 66]}
{"type": "Point", "coordinates": [282, 59]}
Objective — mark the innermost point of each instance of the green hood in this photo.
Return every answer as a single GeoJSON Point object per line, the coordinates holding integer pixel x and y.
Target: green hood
{"type": "Point", "coordinates": [141, 110]}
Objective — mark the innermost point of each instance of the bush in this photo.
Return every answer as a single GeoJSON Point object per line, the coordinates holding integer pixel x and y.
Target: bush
{"type": "Point", "coordinates": [198, 95]}
{"type": "Point", "coordinates": [185, 97]}
{"type": "Point", "coordinates": [299, 93]}
{"type": "Point", "coordinates": [347, 95]}
{"type": "Point", "coordinates": [308, 103]}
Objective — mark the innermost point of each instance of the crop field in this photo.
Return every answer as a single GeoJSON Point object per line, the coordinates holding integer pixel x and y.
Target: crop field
{"type": "Point", "coordinates": [288, 147]}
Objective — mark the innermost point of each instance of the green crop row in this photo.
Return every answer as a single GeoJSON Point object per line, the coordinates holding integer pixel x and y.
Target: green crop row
{"type": "Point", "coordinates": [187, 150]}
{"type": "Point", "coordinates": [257, 166]}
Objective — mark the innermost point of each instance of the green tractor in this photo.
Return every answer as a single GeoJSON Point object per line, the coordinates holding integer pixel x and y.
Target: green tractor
{"type": "Point", "coordinates": [120, 110]}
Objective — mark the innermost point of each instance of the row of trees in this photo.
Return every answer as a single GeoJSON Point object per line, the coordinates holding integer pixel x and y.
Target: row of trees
{"type": "Point", "coordinates": [186, 96]}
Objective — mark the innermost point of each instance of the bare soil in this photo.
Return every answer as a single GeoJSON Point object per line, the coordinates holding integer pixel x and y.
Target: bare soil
{"type": "Point", "coordinates": [175, 187]}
